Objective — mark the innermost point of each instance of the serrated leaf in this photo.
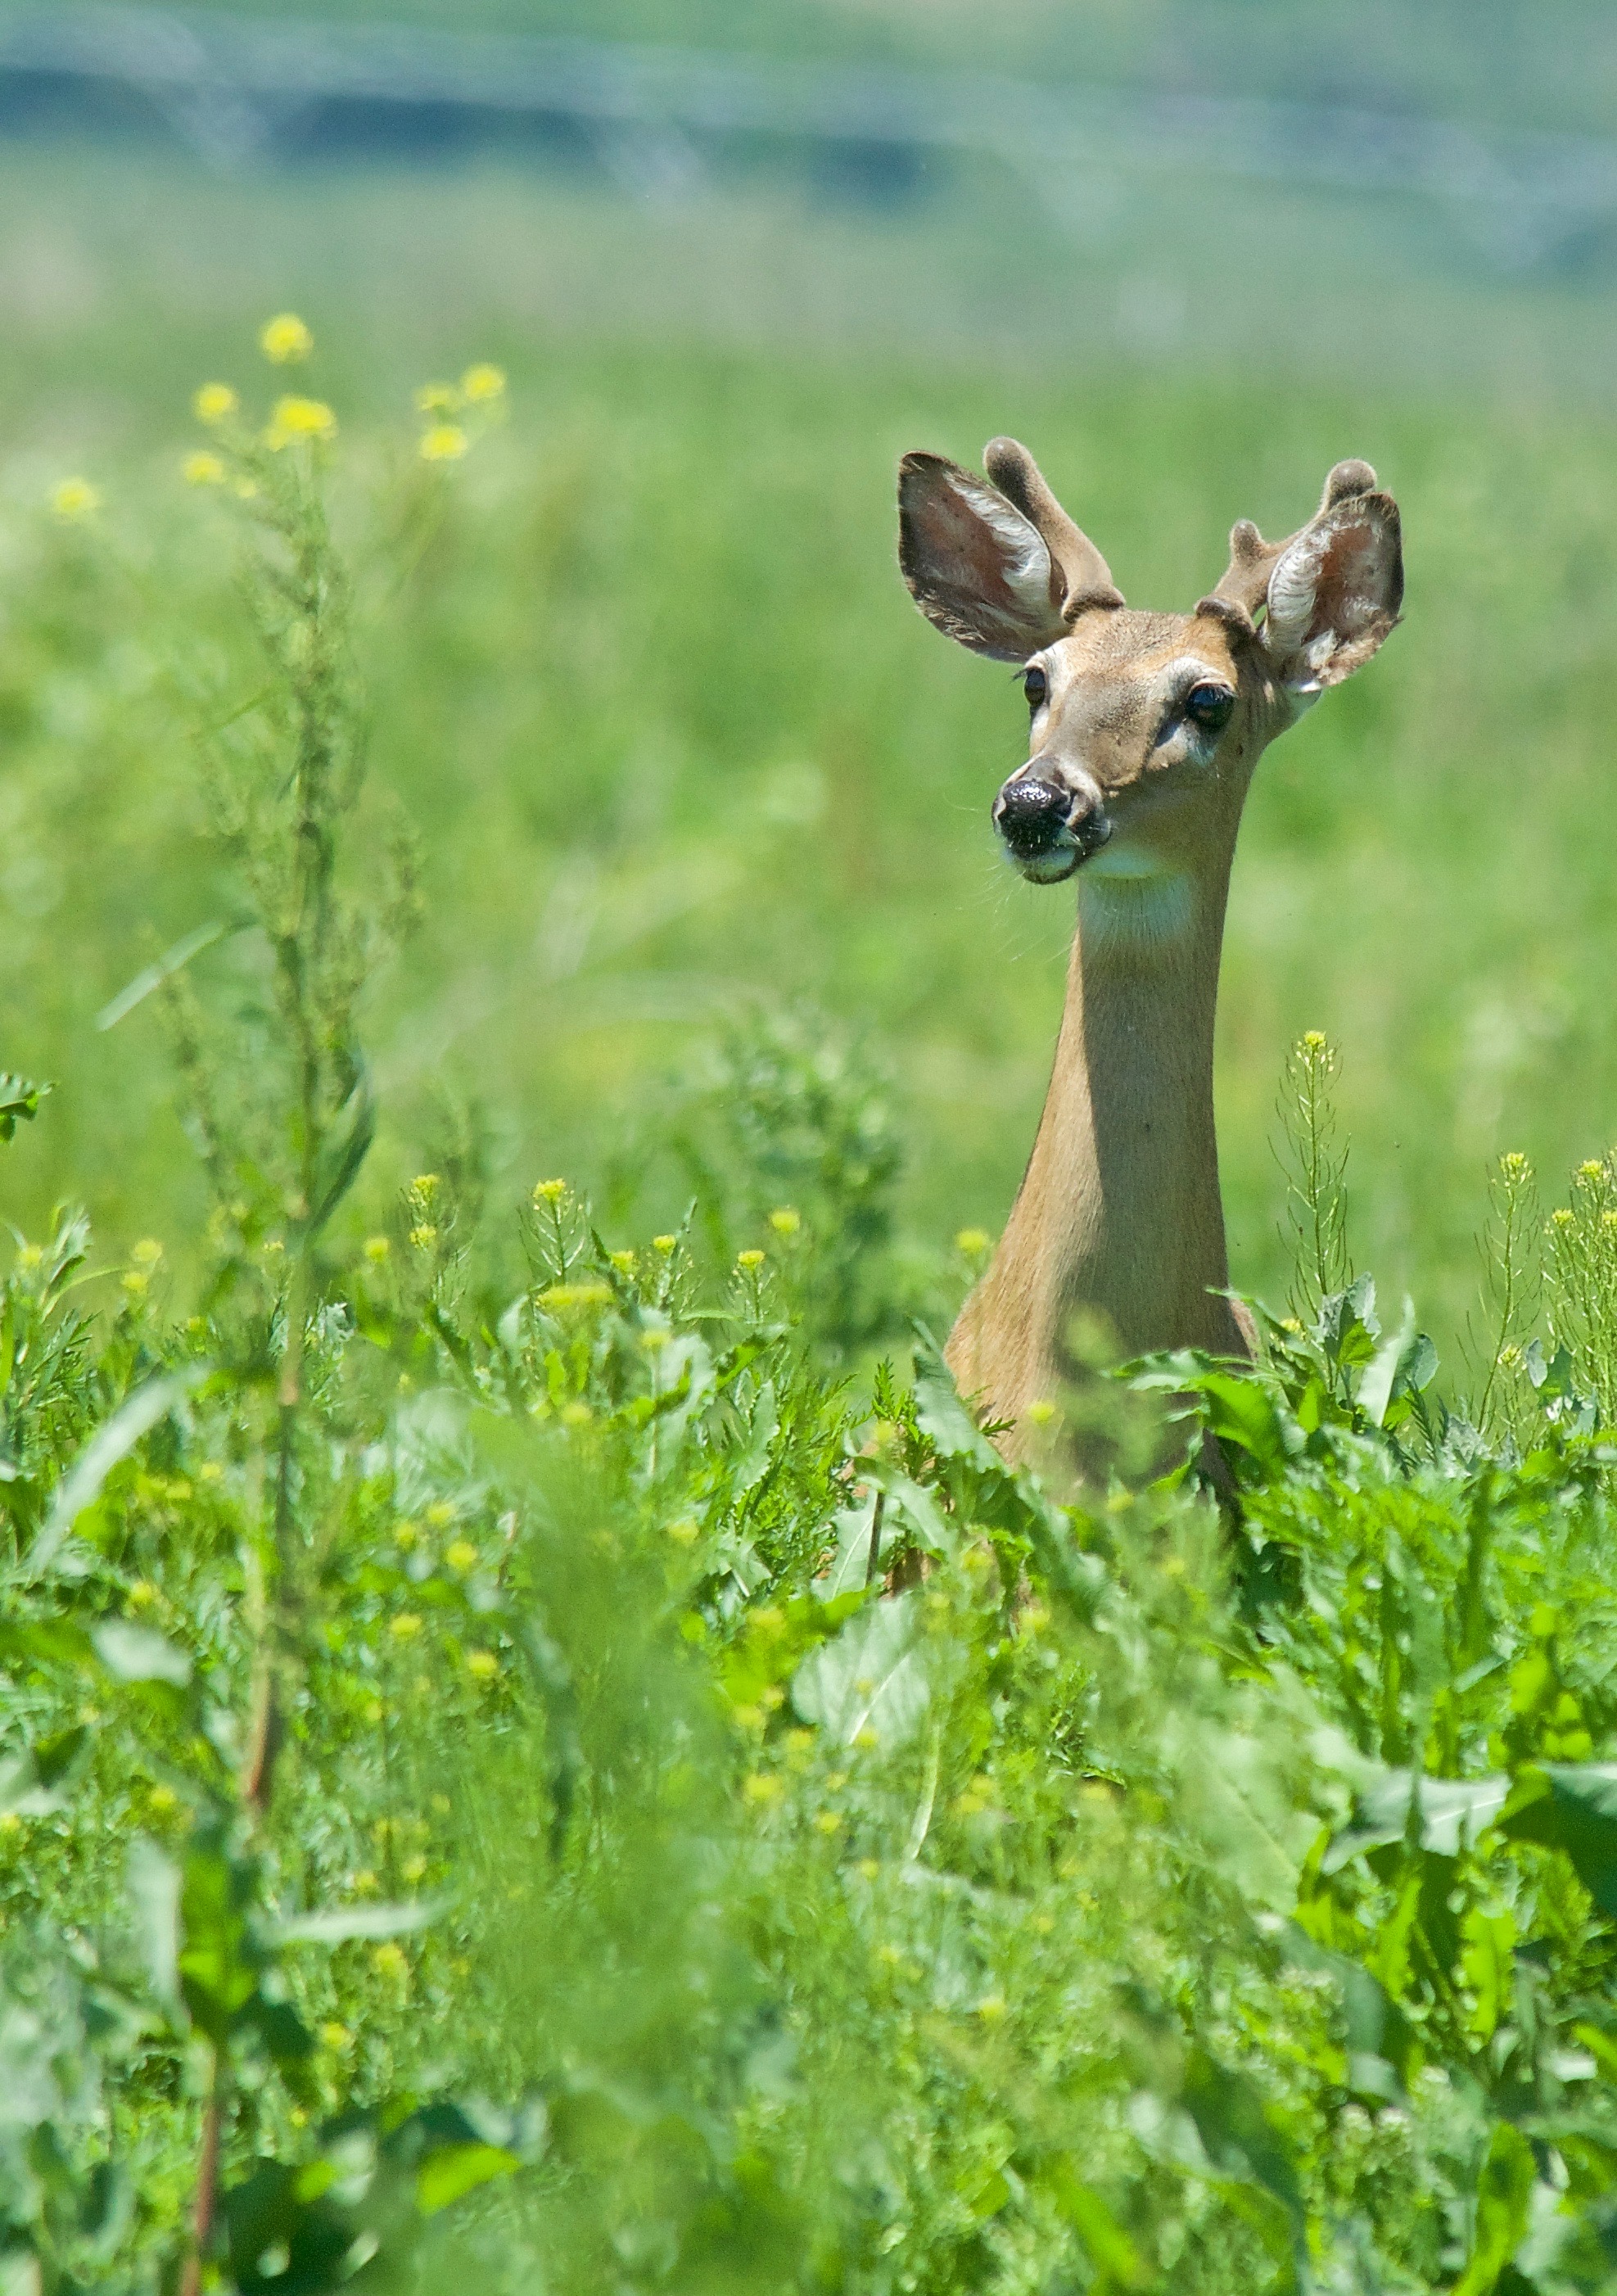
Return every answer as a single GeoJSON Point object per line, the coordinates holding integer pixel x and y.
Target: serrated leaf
{"type": "Point", "coordinates": [19, 1102]}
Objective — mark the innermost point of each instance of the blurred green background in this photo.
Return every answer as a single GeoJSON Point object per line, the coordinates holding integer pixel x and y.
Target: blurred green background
{"type": "Point", "coordinates": [677, 744]}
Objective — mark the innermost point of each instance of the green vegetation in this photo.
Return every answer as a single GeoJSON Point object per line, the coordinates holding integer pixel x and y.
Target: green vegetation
{"type": "Point", "coordinates": [530, 1749]}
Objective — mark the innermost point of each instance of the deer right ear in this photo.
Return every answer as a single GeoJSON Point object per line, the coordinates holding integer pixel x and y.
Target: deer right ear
{"type": "Point", "coordinates": [979, 570]}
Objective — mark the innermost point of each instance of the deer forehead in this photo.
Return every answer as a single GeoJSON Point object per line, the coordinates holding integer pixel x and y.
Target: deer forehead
{"type": "Point", "coordinates": [1116, 669]}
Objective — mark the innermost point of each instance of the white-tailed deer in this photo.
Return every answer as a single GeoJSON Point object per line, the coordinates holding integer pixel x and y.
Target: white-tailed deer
{"type": "Point", "coordinates": [1146, 729]}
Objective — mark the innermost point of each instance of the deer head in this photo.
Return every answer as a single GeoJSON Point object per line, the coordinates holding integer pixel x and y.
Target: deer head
{"type": "Point", "coordinates": [1146, 727]}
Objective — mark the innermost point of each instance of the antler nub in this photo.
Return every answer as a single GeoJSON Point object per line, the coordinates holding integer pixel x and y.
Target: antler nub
{"type": "Point", "coordinates": [1021, 482]}
{"type": "Point", "coordinates": [1245, 584]}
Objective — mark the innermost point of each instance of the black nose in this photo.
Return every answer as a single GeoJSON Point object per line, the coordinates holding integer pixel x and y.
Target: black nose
{"type": "Point", "coordinates": [1030, 814]}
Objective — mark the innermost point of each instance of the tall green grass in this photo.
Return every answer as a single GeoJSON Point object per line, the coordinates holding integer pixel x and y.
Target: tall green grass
{"type": "Point", "coordinates": [524, 1755]}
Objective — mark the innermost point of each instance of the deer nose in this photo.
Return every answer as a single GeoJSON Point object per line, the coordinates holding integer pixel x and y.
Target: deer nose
{"type": "Point", "coordinates": [1031, 814]}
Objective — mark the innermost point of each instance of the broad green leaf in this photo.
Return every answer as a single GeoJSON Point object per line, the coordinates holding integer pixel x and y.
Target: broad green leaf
{"type": "Point", "coordinates": [869, 1679]}
{"type": "Point", "coordinates": [454, 2170]}
{"type": "Point", "coordinates": [132, 1653]}
{"type": "Point", "coordinates": [1241, 1412]}
{"type": "Point", "coordinates": [1241, 2133]}
{"type": "Point", "coordinates": [1570, 1805]}
{"type": "Point", "coordinates": [154, 1892]}
{"type": "Point", "coordinates": [930, 1526]}
{"type": "Point", "coordinates": [1504, 2196]}
{"type": "Point", "coordinates": [943, 1418]}
{"type": "Point", "coordinates": [336, 1924]}
{"type": "Point", "coordinates": [1447, 1814]}
{"type": "Point", "coordinates": [1111, 2251]}
{"type": "Point", "coordinates": [134, 1417]}
{"type": "Point", "coordinates": [853, 1529]}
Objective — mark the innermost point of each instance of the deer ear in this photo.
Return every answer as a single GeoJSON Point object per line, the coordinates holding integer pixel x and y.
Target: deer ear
{"type": "Point", "coordinates": [1334, 591]}
{"type": "Point", "coordinates": [979, 570]}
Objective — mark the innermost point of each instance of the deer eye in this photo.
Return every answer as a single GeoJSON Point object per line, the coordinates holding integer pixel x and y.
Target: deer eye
{"type": "Point", "coordinates": [1035, 685]}
{"type": "Point", "coordinates": [1210, 707]}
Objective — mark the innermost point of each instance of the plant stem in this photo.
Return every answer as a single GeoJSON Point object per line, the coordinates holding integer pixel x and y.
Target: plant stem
{"type": "Point", "coordinates": [206, 2178]}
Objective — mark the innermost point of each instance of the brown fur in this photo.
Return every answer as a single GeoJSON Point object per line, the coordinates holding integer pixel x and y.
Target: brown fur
{"type": "Point", "coordinates": [1119, 1212]}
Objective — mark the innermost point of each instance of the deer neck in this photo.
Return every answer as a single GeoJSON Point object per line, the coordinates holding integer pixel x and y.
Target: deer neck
{"type": "Point", "coordinates": [1119, 1212]}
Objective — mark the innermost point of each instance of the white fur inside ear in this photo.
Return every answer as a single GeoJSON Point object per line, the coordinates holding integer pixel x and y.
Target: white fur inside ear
{"type": "Point", "coordinates": [1026, 564]}
{"type": "Point", "coordinates": [1292, 588]}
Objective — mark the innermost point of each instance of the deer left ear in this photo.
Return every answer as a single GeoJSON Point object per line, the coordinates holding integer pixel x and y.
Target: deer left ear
{"type": "Point", "coordinates": [1335, 589]}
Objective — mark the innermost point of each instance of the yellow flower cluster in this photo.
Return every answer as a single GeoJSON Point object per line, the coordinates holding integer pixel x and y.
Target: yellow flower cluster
{"type": "Point", "coordinates": [286, 340]}
{"type": "Point", "coordinates": [299, 418]}
{"type": "Point", "coordinates": [76, 500]}
{"type": "Point", "coordinates": [445, 440]}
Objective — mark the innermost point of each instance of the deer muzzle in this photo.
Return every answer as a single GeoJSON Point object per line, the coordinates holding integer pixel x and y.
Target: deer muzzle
{"type": "Point", "coordinates": [1049, 823]}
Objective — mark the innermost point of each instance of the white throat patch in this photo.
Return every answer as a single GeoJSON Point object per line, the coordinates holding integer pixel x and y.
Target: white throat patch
{"type": "Point", "coordinates": [1129, 900]}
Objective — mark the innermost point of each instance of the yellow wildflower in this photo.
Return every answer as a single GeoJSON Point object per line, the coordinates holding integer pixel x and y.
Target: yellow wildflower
{"type": "Point", "coordinates": [1041, 1413]}
{"type": "Point", "coordinates": [334, 2036]}
{"type": "Point", "coordinates": [445, 442]}
{"type": "Point", "coordinates": [481, 383]}
{"type": "Point", "coordinates": [623, 1262]}
{"type": "Point", "coordinates": [76, 499]}
{"type": "Point", "coordinates": [549, 1192]}
{"type": "Point", "coordinates": [286, 339]}
{"type": "Point", "coordinates": [391, 1961]}
{"type": "Point", "coordinates": [461, 1555]}
{"type": "Point", "coordinates": [1314, 1040]}
{"type": "Point", "coordinates": [576, 1295]}
{"type": "Point", "coordinates": [482, 1665]}
{"type": "Point", "coordinates": [749, 1260]}
{"type": "Point", "coordinates": [664, 1243]}
{"type": "Point", "coordinates": [973, 1241]}
{"type": "Point", "coordinates": [827, 1821]}
{"type": "Point", "coordinates": [785, 1222]}
{"type": "Point", "coordinates": [161, 1800]}
{"type": "Point", "coordinates": [299, 418]}
{"type": "Point", "coordinates": [376, 1249]}
{"type": "Point", "coordinates": [440, 1512]}
{"type": "Point", "coordinates": [1561, 1219]}
{"type": "Point", "coordinates": [202, 470]}
{"type": "Point", "coordinates": [414, 1869]}
{"type": "Point", "coordinates": [423, 1238]}
{"type": "Point", "coordinates": [215, 402]}
{"type": "Point", "coordinates": [760, 1789]}
{"type": "Point", "coordinates": [405, 1626]}
{"type": "Point", "coordinates": [1591, 1170]}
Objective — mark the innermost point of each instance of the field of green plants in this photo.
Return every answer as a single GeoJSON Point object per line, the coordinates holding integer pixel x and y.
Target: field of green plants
{"type": "Point", "coordinates": [539, 1745]}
